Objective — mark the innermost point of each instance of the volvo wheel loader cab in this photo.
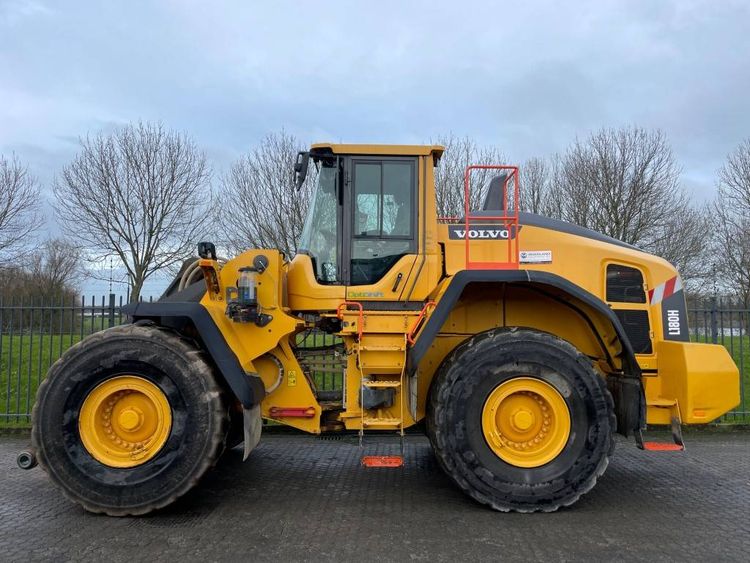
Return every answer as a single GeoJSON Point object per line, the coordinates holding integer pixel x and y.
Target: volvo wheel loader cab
{"type": "Point", "coordinates": [522, 342]}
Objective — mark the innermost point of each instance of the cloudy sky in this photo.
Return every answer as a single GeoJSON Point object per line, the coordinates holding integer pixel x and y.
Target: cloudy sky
{"type": "Point", "coordinates": [528, 76]}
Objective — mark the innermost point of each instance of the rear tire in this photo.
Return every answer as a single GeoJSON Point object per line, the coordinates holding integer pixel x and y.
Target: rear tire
{"type": "Point", "coordinates": [168, 366]}
{"type": "Point", "coordinates": [466, 385]}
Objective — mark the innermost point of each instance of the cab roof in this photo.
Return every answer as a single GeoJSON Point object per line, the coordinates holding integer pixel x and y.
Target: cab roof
{"type": "Point", "coordinates": [388, 150]}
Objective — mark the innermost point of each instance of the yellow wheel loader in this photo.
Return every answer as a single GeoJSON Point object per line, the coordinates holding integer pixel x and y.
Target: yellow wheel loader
{"type": "Point", "coordinates": [521, 344]}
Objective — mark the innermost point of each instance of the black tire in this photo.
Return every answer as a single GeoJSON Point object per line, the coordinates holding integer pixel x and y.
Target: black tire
{"type": "Point", "coordinates": [195, 441]}
{"type": "Point", "coordinates": [454, 420]}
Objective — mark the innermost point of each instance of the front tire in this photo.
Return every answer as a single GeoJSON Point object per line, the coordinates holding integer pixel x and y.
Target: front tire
{"type": "Point", "coordinates": [520, 420]}
{"type": "Point", "coordinates": [128, 420]}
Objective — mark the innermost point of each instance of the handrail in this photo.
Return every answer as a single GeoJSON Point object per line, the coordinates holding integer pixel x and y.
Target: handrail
{"type": "Point", "coordinates": [360, 317]}
{"type": "Point", "coordinates": [510, 222]}
{"type": "Point", "coordinates": [418, 322]}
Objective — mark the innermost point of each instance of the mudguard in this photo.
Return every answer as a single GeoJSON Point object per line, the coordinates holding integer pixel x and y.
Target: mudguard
{"type": "Point", "coordinates": [249, 390]}
{"type": "Point", "coordinates": [627, 389]}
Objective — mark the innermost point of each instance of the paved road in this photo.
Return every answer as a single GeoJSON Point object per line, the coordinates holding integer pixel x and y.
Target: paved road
{"type": "Point", "coordinates": [298, 498]}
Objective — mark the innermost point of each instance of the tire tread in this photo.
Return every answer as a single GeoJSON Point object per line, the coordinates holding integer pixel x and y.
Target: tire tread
{"type": "Point", "coordinates": [441, 405]}
{"type": "Point", "coordinates": [213, 396]}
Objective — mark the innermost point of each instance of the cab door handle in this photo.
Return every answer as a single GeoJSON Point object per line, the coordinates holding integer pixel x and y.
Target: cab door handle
{"type": "Point", "coordinates": [397, 282]}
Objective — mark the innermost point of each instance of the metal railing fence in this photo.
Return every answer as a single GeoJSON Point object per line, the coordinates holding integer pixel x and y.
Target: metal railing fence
{"type": "Point", "coordinates": [34, 334]}
{"type": "Point", "coordinates": [720, 322]}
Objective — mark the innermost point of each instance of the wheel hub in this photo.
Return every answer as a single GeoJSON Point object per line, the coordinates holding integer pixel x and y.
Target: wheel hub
{"type": "Point", "coordinates": [526, 422]}
{"type": "Point", "coordinates": [125, 421]}
{"type": "Point", "coordinates": [130, 419]}
{"type": "Point", "coordinates": [523, 419]}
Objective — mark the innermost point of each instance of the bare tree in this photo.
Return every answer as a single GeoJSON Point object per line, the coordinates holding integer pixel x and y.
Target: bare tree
{"type": "Point", "coordinates": [732, 223]}
{"type": "Point", "coordinates": [48, 272]}
{"type": "Point", "coordinates": [19, 207]}
{"type": "Point", "coordinates": [535, 178]}
{"type": "Point", "coordinates": [260, 204]}
{"type": "Point", "coordinates": [56, 266]}
{"type": "Point", "coordinates": [47, 275]}
{"type": "Point", "coordinates": [624, 183]}
{"type": "Point", "coordinates": [140, 195]}
{"type": "Point", "coordinates": [540, 181]}
{"type": "Point", "coordinates": [684, 239]}
{"type": "Point", "coordinates": [449, 174]}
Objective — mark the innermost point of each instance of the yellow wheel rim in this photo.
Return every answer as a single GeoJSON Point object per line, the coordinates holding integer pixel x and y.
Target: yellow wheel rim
{"type": "Point", "coordinates": [526, 422]}
{"type": "Point", "coordinates": [125, 421]}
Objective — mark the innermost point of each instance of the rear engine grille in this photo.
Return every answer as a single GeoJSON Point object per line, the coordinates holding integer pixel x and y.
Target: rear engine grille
{"type": "Point", "coordinates": [637, 329]}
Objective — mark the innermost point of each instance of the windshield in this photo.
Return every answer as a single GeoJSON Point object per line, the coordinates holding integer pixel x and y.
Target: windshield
{"type": "Point", "coordinates": [318, 238]}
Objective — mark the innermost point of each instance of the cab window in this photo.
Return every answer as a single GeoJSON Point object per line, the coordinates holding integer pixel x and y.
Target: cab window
{"type": "Point", "coordinates": [319, 237]}
{"type": "Point", "coordinates": [383, 217]}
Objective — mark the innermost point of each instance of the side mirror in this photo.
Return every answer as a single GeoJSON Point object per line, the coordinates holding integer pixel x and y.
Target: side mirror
{"type": "Point", "coordinates": [300, 168]}
{"type": "Point", "coordinates": [207, 250]}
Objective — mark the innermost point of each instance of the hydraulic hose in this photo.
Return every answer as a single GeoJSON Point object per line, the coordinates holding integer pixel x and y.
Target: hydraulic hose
{"type": "Point", "coordinates": [191, 273]}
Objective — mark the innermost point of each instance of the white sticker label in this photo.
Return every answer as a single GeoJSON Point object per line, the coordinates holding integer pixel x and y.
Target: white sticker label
{"type": "Point", "coordinates": [536, 256]}
{"type": "Point", "coordinates": [673, 322]}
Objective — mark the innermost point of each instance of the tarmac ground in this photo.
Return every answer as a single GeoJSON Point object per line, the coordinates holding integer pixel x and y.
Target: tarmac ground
{"type": "Point", "coordinates": [301, 498]}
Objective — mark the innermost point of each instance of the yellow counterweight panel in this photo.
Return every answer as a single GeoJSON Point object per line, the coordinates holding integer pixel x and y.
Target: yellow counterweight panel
{"type": "Point", "coordinates": [702, 378]}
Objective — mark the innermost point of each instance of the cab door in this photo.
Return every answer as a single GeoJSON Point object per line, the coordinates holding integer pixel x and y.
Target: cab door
{"type": "Point", "coordinates": [380, 229]}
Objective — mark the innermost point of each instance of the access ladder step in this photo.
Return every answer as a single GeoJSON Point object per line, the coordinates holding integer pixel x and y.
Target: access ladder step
{"type": "Point", "coordinates": [662, 447]}
{"type": "Point", "coordinates": [662, 403]}
{"type": "Point", "coordinates": [382, 461]}
{"type": "Point", "coordinates": [372, 348]}
{"type": "Point", "coordinates": [677, 444]}
{"type": "Point", "coordinates": [381, 421]}
{"type": "Point", "coordinates": [381, 384]}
